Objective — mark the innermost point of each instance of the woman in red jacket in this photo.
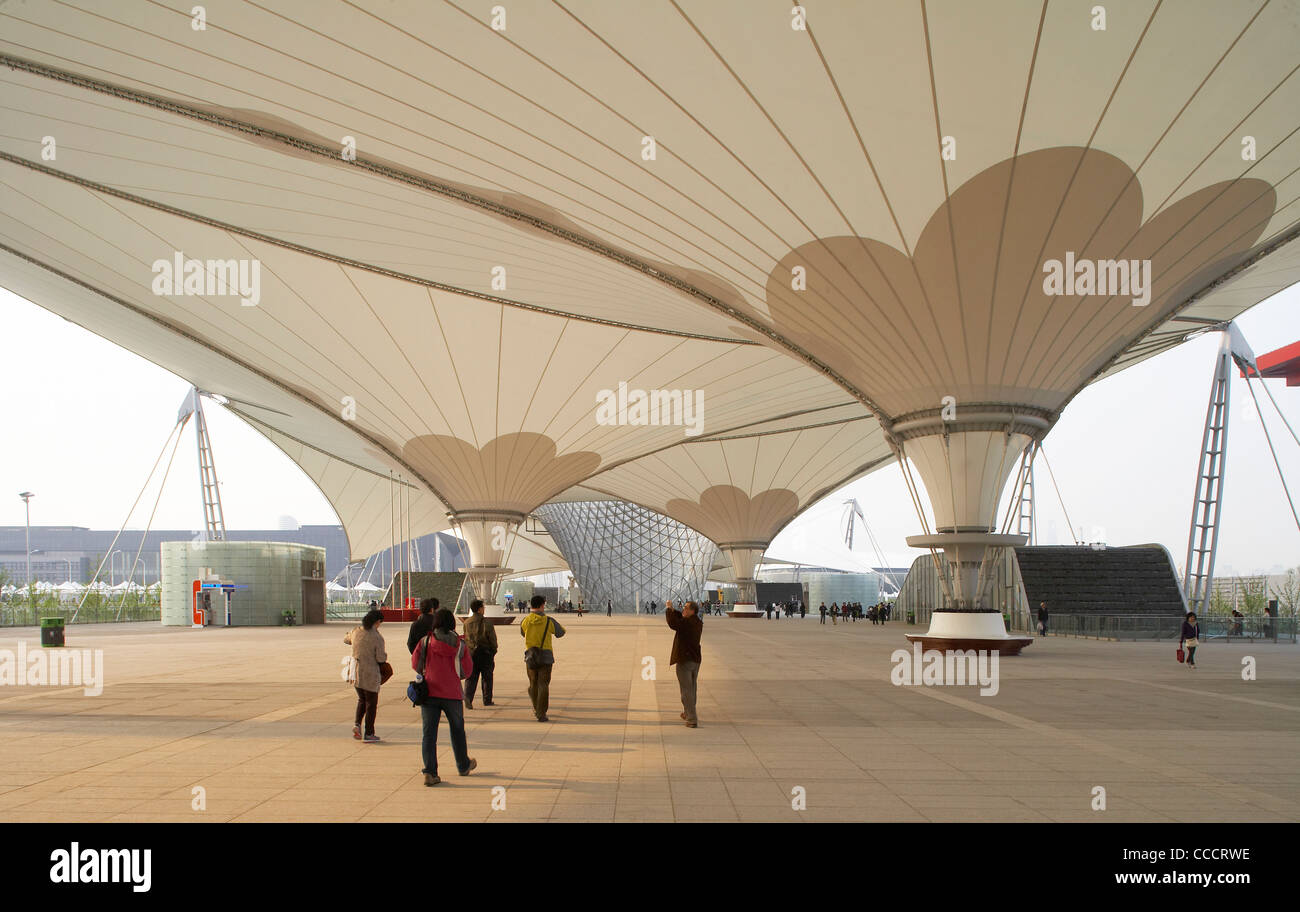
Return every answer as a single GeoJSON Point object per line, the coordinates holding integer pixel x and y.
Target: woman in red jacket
{"type": "Point", "coordinates": [444, 660]}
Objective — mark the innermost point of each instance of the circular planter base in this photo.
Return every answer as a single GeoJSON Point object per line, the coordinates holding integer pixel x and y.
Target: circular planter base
{"type": "Point", "coordinates": [1009, 645]}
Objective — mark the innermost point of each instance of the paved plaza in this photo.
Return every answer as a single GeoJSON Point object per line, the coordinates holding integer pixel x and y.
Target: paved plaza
{"type": "Point", "coordinates": [260, 720]}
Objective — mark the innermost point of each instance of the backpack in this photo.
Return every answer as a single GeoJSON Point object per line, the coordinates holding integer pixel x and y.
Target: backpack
{"type": "Point", "coordinates": [533, 657]}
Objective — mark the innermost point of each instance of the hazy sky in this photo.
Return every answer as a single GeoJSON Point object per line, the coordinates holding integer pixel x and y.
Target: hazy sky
{"type": "Point", "coordinates": [85, 420]}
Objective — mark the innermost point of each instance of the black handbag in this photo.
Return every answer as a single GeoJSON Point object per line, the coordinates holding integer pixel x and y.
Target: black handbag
{"type": "Point", "coordinates": [418, 690]}
{"type": "Point", "coordinates": [533, 654]}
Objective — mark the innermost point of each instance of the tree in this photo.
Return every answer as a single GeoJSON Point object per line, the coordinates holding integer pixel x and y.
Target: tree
{"type": "Point", "coordinates": [1287, 593]}
{"type": "Point", "coordinates": [1219, 604]}
{"type": "Point", "coordinates": [1252, 595]}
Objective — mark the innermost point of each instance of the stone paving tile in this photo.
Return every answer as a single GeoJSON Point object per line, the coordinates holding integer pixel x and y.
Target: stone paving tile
{"type": "Point", "coordinates": [155, 817]}
{"type": "Point", "coordinates": [256, 719]}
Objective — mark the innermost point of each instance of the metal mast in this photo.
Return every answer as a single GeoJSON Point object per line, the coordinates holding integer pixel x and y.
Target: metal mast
{"type": "Point", "coordinates": [214, 520]}
{"type": "Point", "coordinates": [852, 511]}
{"type": "Point", "coordinates": [1203, 537]}
{"type": "Point", "coordinates": [1025, 520]}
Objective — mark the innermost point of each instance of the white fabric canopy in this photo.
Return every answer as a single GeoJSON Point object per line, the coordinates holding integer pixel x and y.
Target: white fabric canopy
{"type": "Point", "coordinates": [463, 239]}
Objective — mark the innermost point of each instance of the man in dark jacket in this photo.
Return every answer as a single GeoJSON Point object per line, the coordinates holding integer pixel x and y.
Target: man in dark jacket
{"type": "Point", "coordinates": [481, 638]}
{"type": "Point", "coordinates": [686, 654]}
{"type": "Point", "coordinates": [421, 626]}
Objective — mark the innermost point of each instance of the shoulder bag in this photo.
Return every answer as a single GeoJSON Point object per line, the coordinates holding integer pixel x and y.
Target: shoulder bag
{"type": "Point", "coordinates": [418, 690]}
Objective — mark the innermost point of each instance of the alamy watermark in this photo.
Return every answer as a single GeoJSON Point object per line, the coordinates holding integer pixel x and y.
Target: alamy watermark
{"type": "Point", "coordinates": [53, 668]}
{"type": "Point", "coordinates": [76, 865]}
{"type": "Point", "coordinates": [182, 276]}
{"type": "Point", "coordinates": [1082, 278]}
{"type": "Point", "coordinates": [638, 407]}
{"type": "Point", "coordinates": [935, 668]}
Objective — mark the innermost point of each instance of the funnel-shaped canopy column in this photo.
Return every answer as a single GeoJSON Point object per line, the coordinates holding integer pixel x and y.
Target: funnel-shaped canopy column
{"type": "Point", "coordinates": [488, 536]}
{"type": "Point", "coordinates": [745, 557]}
{"type": "Point", "coordinates": [964, 458]}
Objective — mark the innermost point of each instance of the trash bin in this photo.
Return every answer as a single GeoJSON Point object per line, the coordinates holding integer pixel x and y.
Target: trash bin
{"type": "Point", "coordinates": [52, 631]}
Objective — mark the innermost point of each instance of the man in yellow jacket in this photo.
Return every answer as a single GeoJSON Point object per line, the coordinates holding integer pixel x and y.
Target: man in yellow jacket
{"type": "Point", "coordinates": [539, 631]}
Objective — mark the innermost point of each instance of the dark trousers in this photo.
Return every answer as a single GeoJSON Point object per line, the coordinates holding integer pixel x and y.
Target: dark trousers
{"type": "Point", "coordinates": [484, 665]}
{"type": "Point", "coordinates": [367, 706]}
{"type": "Point", "coordinates": [688, 674]}
{"type": "Point", "coordinates": [1191, 655]}
{"type": "Point", "coordinates": [431, 710]}
{"type": "Point", "coordinates": [539, 689]}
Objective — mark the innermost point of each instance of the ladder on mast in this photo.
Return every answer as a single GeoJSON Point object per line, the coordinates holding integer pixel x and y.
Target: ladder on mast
{"type": "Point", "coordinates": [214, 520]}
{"type": "Point", "coordinates": [1203, 537]}
{"type": "Point", "coordinates": [1025, 519]}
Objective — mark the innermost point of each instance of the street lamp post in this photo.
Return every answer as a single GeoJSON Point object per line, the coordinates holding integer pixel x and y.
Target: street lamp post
{"type": "Point", "coordinates": [27, 502]}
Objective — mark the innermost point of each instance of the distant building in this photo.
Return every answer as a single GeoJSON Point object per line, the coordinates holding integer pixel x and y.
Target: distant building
{"type": "Point", "coordinates": [826, 584]}
{"type": "Point", "coordinates": [63, 553]}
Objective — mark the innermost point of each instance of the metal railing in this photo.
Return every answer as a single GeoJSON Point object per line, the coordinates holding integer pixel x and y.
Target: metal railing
{"type": "Point", "coordinates": [338, 611]}
{"type": "Point", "coordinates": [1273, 630]}
{"type": "Point", "coordinates": [21, 615]}
{"type": "Point", "coordinates": [1147, 627]}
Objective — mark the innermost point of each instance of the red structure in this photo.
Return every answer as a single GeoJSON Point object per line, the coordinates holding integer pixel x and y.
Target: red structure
{"type": "Point", "coordinates": [1285, 362]}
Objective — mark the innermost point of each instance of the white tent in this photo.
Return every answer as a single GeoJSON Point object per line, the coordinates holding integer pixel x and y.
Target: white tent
{"type": "Point", "coordinates": [827, 319]}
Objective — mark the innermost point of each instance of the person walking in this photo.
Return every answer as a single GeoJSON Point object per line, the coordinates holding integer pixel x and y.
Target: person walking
{"type": "Point", "coordinates": [481, 637]}
{"type": "Point", "coordinates": [803, 610]}
{"type": "Point", "coordinates": [609, 608]}
{"type": "Point", "coordinates": [1191, 637]}
{"type": "Point", "coordinates": [1042, 618]}
{"type": "Point", "coordinates": [538, 631]}
{"type": "Point", "coordinates": [688, 628]}
{"type": "Point", "coordinates": [368, 658]}
{"type": "Point", "coordinates": [822, 611]}
{"type": "Point", "coordinates": [421, 626]}
{"type": "Point", "coordinates": [444, 660]}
